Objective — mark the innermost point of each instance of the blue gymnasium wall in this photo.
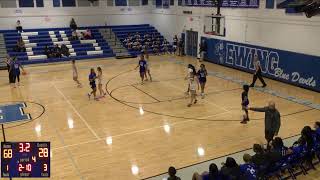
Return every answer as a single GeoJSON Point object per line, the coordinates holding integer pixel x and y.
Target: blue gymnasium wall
{"type": "Point", "coordinates": [294, 68]}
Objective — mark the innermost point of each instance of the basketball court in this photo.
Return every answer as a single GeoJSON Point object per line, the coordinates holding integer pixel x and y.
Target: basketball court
{"type": "Point", "coordinates": [138, 131]}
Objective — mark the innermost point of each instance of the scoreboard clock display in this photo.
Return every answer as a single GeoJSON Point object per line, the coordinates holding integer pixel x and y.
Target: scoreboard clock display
{"type": "Point", "coordinates": [25, 159]}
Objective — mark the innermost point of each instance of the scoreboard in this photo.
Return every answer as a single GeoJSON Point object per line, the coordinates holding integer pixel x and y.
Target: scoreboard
{"type": "Point", "coordinates": [25, 159]}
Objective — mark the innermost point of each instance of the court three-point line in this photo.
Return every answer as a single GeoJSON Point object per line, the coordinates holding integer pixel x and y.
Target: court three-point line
{"type": "Point", "coordinates": [75, 110]}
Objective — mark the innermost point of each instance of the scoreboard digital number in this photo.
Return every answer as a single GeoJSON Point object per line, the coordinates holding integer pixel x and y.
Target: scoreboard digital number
{"type": "Point", "coordinates": [25, 159]}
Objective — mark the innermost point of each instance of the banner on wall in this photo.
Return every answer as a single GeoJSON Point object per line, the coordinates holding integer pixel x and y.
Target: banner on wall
{"type": "Point", "coordinates": [295, 68]}
{"type": "Point", "coordinates": [225, 3]}
{"type": "Point", "coordinates": [165, 4]}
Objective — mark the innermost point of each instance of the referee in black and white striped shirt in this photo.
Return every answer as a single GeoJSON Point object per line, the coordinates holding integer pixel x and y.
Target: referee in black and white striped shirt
{"type": "Point", "coordinates": [258, 72]}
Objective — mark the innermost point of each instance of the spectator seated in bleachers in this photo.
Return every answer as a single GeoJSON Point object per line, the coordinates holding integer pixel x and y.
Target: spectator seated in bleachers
{"type": "Point", "coordinates": [259, 158]}
{"type": "Point", "coordinates": [137, 35]}
{"type": "Point", "coordinates": [20, 47]}
{"type": "Point", "coordinates": [65, 50]}
{"type": "Point", "coordinates": [19, 27]}
{"type": "Point", "coordinates": [136, 46]}
{"type": "Point", "coordinates": [146, 42]}
{"type": "Point", "coordinates": [213, 174]}
{"type": "Point", "coordinates": [86, 35]}
{"type": "Point", "coordinates": [73, 25]}
{"type": "Point", "coordinates": [165, 47]}
{"type": "Point", "coordinates": [155, 47]}
{"type": "Point", "coordinates": [48, 52]}
{"type": "Point", "coordinates": [172, 174]}
{"type": "Point", "coordinates": [147, 36]}
{"type": "Point", "coordinates": [272, 162]}
{"type": "Point", "coordinates": [278, 146]}
{"type": "Point", "coordinates": [248, 169]}
{"type": "Point", "coordinates": [231, 170]}
{"type": "Point", "coordinates": [74, 36]}
{"type": "Point", "coordinates": [57, 51]}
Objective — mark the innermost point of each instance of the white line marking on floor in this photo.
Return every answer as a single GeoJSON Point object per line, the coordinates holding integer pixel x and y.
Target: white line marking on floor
{"type": "Point", "coordinates": [124, 134]}
{"type": "Point", "coordinates": [75, 110]}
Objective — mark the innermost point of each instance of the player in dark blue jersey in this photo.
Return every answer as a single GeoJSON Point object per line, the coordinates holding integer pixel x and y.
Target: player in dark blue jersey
{"type": "Point", "coordinates": [202, 75]}
{"type": "Point", "coordinates": [245, 103]}
{"type": "Point", "coordinates": [142, 65]}
{"type": "Point", "coordinates": [317, 127]}
{"type": "Point", "coordinates": [92, 82]}
{"type": "Point", "coordinates": [248, 169]}
{"type": "Point", "coordinates": [14, 70]}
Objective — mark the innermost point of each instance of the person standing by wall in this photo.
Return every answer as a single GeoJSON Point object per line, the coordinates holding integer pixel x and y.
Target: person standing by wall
{"type": "Point", "coordinates": [203, 49]}
{"type": "Point", "coordinates": [272, 120]}
{"type": "Point", "coordinates": [73, 25]}
{"type": "Point", "coordinates": [258, 72]}
{"type": "Point", "coordinates": [19, 27]}
{"type": "Point", "coordinates": [175, 44]}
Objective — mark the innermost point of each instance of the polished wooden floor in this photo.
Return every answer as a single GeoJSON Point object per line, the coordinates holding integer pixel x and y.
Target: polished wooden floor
{"type": "Point", "coordinates": [142, 129]}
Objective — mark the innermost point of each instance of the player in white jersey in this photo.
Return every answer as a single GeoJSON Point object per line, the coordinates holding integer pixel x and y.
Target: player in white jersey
{"type": "Point", "coordinates": [147, 67]}
{"type": "Point", "coordinates": [100, 82]}
{"type": "Point", "coordinates": [190, 74]}
{"type": "Point", "coordinates": [75, 73]}
{"type": "Point", "coordinates": [193, 86]}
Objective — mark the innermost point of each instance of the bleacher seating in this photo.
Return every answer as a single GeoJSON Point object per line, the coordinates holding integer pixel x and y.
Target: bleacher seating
{"type": "Point", "coordinates": [123, 31]}
{"type": "Point", "coordinates": [36, 39]}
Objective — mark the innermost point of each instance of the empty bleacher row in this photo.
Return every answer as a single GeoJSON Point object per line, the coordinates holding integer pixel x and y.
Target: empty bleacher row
{"type": "Point", "coordinates": [36, 40]}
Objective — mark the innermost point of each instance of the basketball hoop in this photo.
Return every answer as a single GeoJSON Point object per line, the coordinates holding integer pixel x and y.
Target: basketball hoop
{"type": "Point", "coordinates": [214, 25]}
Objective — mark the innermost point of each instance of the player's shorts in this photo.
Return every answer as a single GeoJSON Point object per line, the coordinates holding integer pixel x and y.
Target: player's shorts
{"type": "Point", "coordinates": [193, 92]}
{"type": "Point", "coordinates": [245, 105]}
{"type": "Point", "coordinates": [100, 82]}
{"type": "Point", "coordinates": [202, 80]}
{"type": "Point", "coordinates": [142, 73]}
{"type": "Point", "coordinates": [93, 85]}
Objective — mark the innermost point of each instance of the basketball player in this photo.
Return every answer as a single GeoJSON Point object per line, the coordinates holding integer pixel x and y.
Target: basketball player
{"type": "Point", "coordinates": [258, 72]}
{"type": "Point", "coordinates": [8, 62]}
{"type": "Point", "coordinates": [147, 67]}
{"type": "Point", "coordinates": [193, 84]}
{"type": "Point", "coordinates": [245, 103]}
{"type": "Point", "coordinates": [202, 76]}
{"type": "Point", "coordinates": [75, 73]}
{"type": "Point", "coordinates": [100, 82]}
{"type": "Point", "coordinates": [92, 82]}
{"type": "Point", "coordinates": [15, 67]}
{"type": "Point", "coordinates": [142, 67]}
{"type": "Point", "coordinates": [190, 74]}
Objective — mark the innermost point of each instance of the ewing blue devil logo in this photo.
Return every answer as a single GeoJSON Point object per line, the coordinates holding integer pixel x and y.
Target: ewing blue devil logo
{"type": "Point", "coordinates": [13, 113]}
{"type": "Point", "coordinates": [241, 56]}
{"type": "Point", "coordinates": [220, 51]}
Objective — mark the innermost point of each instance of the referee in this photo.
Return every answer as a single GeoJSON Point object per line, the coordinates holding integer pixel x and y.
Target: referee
{"type": "Point", "coordinates": [258, 72]}
{"type": "Point", "coordinates": [272, 120]}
